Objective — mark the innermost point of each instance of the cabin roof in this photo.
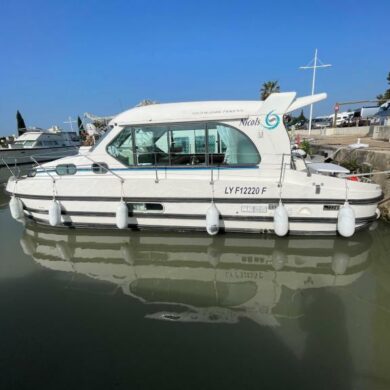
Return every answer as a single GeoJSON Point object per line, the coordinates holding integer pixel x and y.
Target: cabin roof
{"type": "Point", "coordinates": [188, 111]}
{"type": "Point", "coordinates": [278, 103]}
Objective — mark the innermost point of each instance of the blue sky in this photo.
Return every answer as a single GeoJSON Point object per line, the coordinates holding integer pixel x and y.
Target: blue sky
{"type": "Point", "coordinates": [61, 58]}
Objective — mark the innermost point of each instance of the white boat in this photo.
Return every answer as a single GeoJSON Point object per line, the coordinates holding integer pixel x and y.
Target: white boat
{"type": "Point", "coordinates": [220, 279]}
{"type": "Point", "coordinates": [215, 166]}
{"type": "Point", "coordinates": [36, 144]}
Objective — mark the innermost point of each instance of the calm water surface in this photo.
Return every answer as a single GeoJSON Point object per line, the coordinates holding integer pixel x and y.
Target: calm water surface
{"type": "Point", "coordinates": [101, 310]}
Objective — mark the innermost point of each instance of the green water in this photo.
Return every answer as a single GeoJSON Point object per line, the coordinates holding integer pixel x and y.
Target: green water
{"type": "Point", "coordinates": [140, 310]}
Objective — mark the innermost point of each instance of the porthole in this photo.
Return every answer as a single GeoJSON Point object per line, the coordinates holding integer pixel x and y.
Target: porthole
{"type": "Point", "coordinates": [31, 172]}
{"type": "Point", "coordinates": [66, 169]}
{"type": "Point", "coordinates": [100, 168]}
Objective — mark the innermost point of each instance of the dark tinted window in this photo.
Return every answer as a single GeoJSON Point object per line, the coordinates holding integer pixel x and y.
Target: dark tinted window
{"type": "Point", "coordinates": [99, 168]}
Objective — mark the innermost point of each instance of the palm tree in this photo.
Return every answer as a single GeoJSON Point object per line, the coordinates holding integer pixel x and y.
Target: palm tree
{"type": "Point", "coordinates": [384, 97]}
{"type": "Point", "coordinates": [268, 88]}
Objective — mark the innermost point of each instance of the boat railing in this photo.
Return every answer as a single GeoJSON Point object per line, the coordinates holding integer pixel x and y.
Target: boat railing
{"type": "Point", "coordinates": [307, 167]}
{"type": "Point", "coordinates": [43, 168]}
{"type": "Point", "coordinates": [282, 171]}
{"type": "Point", "coordinates": [9, 168]}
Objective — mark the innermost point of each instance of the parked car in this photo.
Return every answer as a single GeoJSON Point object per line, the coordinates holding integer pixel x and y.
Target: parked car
{"type": "Point", "coordinates": [321, 122]}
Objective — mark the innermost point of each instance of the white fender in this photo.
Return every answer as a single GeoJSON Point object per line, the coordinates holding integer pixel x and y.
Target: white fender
{"type": "Point", "coordinates": [212, 220]}
{"type": "Point", "coordinates": [54, 213]}
{"type": "Point", "coordinates": [279, 259]}
{"type": "Point", "coordinates": [16, 208]}
{"type": "Point", "coordinates": [127, 254]}
{"type": "Point", "coordinates": [346, 220]}
{"type": "Point", "coordinates": [121, 215]}
{"type": "Point", "coordinates": [28, 245]}
{"type": "Point", "coordinates": [340, 263]}
{"type": "Point", "coordinates": [64, 251]}
{"type": "Point", "coordinates": [213, 255]}
{"type": "Point", "coordinates": [281, 220]}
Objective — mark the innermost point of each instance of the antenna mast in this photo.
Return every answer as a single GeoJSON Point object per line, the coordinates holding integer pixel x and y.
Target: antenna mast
{"type": "Point", "coordinates": [313, 65]}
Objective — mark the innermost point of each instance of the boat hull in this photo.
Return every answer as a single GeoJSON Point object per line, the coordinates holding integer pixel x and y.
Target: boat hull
{"type": "Point", "coordinates": [182, 204]}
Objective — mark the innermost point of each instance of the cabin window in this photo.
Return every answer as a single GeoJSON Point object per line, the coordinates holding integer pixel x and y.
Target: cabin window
{"type": "Point", "coordinates": [66, 169]}
{"type": "Point", "coordinates": [186, 144]}
{"type": "Point", "coordinates": [151, 145]}
{"type": "Point", "coordinates": [121, 147]}
{"type": "Point", "coordinates": [100, 168]}
{"type": "Point", "coordinates": [229, 146]}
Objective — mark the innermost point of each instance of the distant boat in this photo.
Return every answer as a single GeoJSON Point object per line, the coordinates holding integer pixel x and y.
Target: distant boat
{"type": "Point", "coordinates": [36, 145]}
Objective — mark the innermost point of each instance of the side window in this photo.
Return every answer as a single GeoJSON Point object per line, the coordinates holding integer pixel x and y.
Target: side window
{"type": "Point", "coordinates": [121, 147]}
{"type": "Point", "coordinates": [229, 146]}
{"type": "Point", "coordinates": [99, 168]}
{"type": "Point", "coordinates": [187, 144]}
{"type": "Point", "coordinates": [151, 145]}
{"type": "Point", "coordinates": [66, 169]}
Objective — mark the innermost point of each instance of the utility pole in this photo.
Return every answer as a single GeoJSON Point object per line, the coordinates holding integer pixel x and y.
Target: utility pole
{"type": "Point", "coordinates": [313, 65]}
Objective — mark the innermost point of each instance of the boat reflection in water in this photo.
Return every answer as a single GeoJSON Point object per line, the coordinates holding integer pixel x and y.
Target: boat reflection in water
{"type": "Point", "coordinates": [4, 198]}
{"type": "Point", "coordinates": [207, 279]}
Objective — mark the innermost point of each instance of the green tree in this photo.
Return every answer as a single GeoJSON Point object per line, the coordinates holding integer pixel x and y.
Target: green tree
{"type": "Point", "coordinates": [302, 117]}
{"type": "Point", "coordinates": [298, 119]}
{"type": "Point", "coordinates": [383, 97]}
{"type": "Point", "coordinates": [269, 87]}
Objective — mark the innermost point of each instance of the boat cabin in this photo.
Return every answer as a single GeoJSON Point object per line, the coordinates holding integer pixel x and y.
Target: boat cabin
{"type": "Point", "coordinates": [40, 138]}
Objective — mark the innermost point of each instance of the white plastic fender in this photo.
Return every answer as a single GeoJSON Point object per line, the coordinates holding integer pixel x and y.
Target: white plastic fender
{"type": "Point", "coordinates": [128, 254]}
{"type": "Point", "coordinates": [64, 251]}
{"type": "Point", "coordinates": [16, 208]}
{"type": "Point", "coordinates": [340, 263]}
{"type": "Point", "coordinates": [28, 245]}
{"type": "Point", "coordinates": [346, 220]}
{"type": "Point", "coordinates": [212, 220]}
{"type": "Point", "coordinates": [121, 215]}
{"type": "Point", "coordinates": [279, 259]}
{"type": "Point", "coordinates": [54, 213]}
{"type": "Point", "coordinates": [281, 220]}
{"type": "Point", "coordinates": [213, 255]}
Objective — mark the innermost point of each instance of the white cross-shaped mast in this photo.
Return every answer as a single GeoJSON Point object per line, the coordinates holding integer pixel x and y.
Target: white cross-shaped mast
{"type": "Point", "coordinates": [70, 121]}
{"type": "Point", "coordinates": [313, 65]}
